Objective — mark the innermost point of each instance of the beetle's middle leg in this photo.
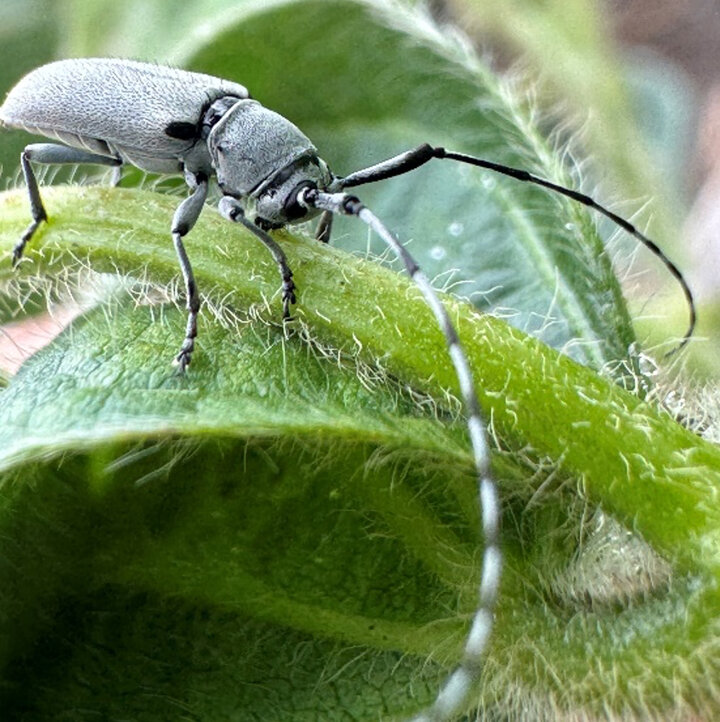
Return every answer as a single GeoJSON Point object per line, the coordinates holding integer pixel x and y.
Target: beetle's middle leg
{"type": "Point", "coordinates": [183, 221]}
{"type": "Point", "coordinates": [324, 227]}
{"type": "Point", "coordinates": [49, 154]}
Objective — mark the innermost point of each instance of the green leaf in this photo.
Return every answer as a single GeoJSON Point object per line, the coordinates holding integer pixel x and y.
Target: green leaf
{"type": "Point", "coordinates": [267, 534]}
{"type": "Point", "coordinates": [206, 496]}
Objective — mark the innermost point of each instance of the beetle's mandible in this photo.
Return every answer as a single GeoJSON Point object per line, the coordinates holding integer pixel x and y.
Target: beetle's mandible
{"type": "Point", "coordinates": [114, 112]}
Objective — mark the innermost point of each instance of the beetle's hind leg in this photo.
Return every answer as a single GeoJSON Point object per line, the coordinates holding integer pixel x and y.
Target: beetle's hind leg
{"type": "Point", "coordinates": [37, 209]}
{"type": "Point", "coordinates": [48, 154]}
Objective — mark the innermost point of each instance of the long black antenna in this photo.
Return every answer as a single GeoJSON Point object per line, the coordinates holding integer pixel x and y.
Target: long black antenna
{"type": "Point", "coordinates": [412, 159]}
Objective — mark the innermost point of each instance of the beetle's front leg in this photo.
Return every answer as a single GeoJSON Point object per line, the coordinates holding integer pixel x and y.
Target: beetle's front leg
{"type": "Point", "coordinates": [183, 221]}
{"type": "Point", "coordinates": [231, 209]}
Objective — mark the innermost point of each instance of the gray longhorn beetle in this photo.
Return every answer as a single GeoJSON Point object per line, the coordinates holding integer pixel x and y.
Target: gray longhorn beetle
{"type": "Point", "coordinates": [163, 120]}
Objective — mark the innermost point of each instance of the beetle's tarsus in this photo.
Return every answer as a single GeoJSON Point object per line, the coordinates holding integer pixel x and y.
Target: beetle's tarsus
{"type": "Point", "coordinates": [288, 297]}
{"type": "Point", "coordinates": [17, 253]}
{"type": "Point", "coordinates": [19, 249]}
{"type": "Point", "coordinates": [182, 360]}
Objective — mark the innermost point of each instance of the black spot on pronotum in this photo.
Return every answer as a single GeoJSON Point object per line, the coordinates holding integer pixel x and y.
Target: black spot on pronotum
{"type": "Point", "coordinates": [181, 130]}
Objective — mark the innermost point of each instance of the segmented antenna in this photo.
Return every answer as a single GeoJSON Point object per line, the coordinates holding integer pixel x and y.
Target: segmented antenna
{"type": "Point", "coordinates": [454, 694]}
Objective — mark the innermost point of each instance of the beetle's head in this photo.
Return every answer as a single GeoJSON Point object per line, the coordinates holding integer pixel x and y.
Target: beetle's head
{"type": "Point", "coordinates": [263, 160]}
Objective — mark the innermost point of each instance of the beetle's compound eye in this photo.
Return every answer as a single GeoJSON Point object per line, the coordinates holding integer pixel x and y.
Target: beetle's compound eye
{"type": "Point", "coordinates": [293, 209]}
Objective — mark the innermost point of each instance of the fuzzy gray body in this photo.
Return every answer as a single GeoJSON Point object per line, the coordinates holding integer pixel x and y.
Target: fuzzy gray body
{"type": "Point", "coordinates": [118, 108]}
